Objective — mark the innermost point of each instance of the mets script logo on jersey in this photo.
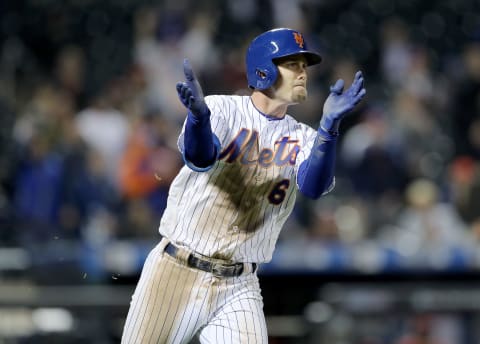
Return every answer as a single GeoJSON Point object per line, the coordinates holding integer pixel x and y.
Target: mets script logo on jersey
{"type": "Point", "coordinates": [245, 147]}
{"type": "Point", "coordinates": [299, 39]}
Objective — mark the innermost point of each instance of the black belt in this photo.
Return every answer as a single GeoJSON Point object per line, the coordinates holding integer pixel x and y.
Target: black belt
{"type": "Point", "coordinates": [217, 269]}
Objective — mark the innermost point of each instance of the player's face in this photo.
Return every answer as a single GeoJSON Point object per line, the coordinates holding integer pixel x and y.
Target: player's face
{"type": "Point", "coordinates": [291, 84]}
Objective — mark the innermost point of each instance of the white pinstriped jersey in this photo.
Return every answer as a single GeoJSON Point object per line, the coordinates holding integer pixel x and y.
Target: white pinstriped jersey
{"type": "Point", "coordinates": [236, 209]}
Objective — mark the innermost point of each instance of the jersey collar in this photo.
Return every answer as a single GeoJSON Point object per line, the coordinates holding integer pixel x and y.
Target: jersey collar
{"type": "Point", "coordinates": [268, 117]}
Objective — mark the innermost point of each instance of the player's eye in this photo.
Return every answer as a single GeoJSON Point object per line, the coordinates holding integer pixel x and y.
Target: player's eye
{"type": "Point", "coordinates": [295, 65]}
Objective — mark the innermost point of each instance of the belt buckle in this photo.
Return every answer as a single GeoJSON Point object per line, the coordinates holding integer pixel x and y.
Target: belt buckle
{"type": "Point", "coordinates": [217, 270]}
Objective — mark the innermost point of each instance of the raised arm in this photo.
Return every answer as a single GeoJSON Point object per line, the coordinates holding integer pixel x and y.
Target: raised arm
{"type": "Point", "coordinates": [200, 144]}
{"type": "Point", "coordinates": [316, 174]}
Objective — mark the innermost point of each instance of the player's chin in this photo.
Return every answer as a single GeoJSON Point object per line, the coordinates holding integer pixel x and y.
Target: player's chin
{"type": "Point", "coordinates": [300, 96]}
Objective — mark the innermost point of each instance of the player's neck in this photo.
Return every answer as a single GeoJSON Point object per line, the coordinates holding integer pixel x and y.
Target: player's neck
{"type": "Point", "coordinates": [269, 106]}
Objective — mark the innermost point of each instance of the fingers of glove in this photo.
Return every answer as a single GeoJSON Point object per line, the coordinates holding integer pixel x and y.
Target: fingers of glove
{"type": "Point", "coordinates": [188, 71]}
{"type": "Point", "coordinates": [338, 87]}
{"type": "Point", "coordinates": [358, 82]}
{"type": "Point", "coordinates": [180, 91]}
{"type": "Point", "coordinates": [186, 92]}
{"type": "Point", "coordinates": [190, 101]}
{"type": "Point", "coordinates": [179, 87]}
{"type": "Point", "coordinates": [357, 85]}
{"type": "Point", "coordinates": [191, 80]}
{"type": "Point", "coordinates": [358, 75]}
{"type": "Point", "coordinates": [360, 95]}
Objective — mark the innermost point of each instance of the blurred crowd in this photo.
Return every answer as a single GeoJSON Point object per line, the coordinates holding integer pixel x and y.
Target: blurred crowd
{"type": "Point", "coordinates": [90, 118]}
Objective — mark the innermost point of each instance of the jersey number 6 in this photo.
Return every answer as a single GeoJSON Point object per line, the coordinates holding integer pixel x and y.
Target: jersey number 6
{"type": "Point", "coordinates": [277, 195]}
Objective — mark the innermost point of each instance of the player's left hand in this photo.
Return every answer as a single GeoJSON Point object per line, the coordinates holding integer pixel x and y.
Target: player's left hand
{"type": "Point", "coordinates": [191, 94]}
{"type": "Point", "coordinates": [340, 102]}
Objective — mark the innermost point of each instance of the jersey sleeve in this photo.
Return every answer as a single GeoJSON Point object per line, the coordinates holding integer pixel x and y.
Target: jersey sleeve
{"type": "Point", "coordinates": [217, 122]}
{"type": "Point", "coordinates": [308, 136]}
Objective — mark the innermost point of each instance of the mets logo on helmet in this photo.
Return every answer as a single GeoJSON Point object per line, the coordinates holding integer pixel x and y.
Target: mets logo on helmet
{"type": "Point", "coordinates": [298, 39]}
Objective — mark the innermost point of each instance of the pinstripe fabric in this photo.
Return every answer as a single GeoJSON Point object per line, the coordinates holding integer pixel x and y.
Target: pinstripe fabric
{"type": "Point", "coordinates": [239, 320]}
{"type": "Point", "coordinates": [172, 303]}
{"type": "Point", "coordinates": [233, 212]}
{"type": "Point", "coordinates": [226, 212]}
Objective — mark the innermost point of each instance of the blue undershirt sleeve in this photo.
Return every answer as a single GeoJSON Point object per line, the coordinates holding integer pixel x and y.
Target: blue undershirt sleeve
{"type": "Point", "coordinates": [316, 174]}
{"type": "Point", "coordinates": [201, 146]}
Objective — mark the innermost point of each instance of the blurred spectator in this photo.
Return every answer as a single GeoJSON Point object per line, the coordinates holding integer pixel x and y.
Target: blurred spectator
{"type": "Point", "coordinates": [396, 50]}
{"type": "Point", "coordinates": [87, 188]}
{"type": "Point", "coordinates": [464, 176]}
{"type": "Point", "coordinates": [431, 329]}
{"type": "Point", "coordinates": [427, 147]}
{"type": "Point", "coordinates": [160, 56]}
{"type": "Point", "coordinates": [47, 113]}
{"type": "Point", "coordinates": [70, 72]}
{"type": "Point", "coordinates": [7, 161]}
{"type": "Point", "coordinates": [465, 103]}
{"type": "Point", "coordinates": [197, 42]}
{"type": "Point", "coordinates": [148, 165]}
{"type": "Point", "coordinates": [37, 194]}
{"type": "Point", "coordinates": [40, 134]}
{"type": "Point", "coordinates": [104, 129]}
{"type": "Point", "coordinates": [374, 156]}
{"type": "Point", "coordinates": [419, 79]}
{"type": "Point", "coordinates": [287, 13]}
{"type": "Point", "coordinates": [429, 230]}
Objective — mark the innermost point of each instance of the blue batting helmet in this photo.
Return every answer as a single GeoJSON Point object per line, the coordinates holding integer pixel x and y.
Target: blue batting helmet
{"type": "Point", "coordinates": [265, 48]}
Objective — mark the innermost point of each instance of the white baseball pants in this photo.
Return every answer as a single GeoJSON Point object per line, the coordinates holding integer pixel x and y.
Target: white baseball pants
{"type": "Point", "coordinates": [173, 303]}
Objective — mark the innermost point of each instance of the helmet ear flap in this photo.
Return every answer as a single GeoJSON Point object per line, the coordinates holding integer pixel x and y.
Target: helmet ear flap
{"type": "Point", "coordinates": [265, 76]}
{"type": "Point", "coordinates": [261, 74]}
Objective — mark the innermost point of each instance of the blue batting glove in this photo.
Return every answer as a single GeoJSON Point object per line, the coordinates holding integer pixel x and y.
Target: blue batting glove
{"type": "Point", "coordinates": [340, 102]}
{"type": "Point", "coordinates": [190, 93]}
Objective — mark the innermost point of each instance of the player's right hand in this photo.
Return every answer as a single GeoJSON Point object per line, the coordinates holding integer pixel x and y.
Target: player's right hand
{"type": "Point", "coordinates": [190, 92]}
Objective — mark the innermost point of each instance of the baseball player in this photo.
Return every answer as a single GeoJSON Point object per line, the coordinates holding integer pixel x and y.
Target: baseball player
{"type": "Point", "coordinates": [245, 158]}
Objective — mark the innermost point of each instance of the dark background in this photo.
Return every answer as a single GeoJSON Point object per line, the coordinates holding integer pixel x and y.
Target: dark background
{"type": "Point", "coordinates": [89, 116]}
